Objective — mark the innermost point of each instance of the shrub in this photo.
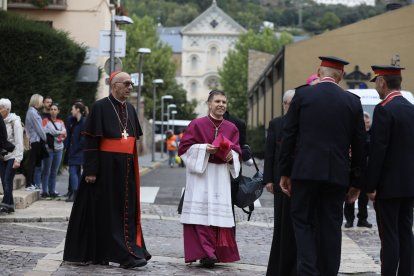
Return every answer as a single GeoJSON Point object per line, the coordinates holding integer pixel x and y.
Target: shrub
{"type": "Point", "coordinates": [35, 58]}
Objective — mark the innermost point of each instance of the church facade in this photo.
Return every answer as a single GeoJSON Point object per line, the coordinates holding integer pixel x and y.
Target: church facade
{"type": "Point", "coordinates": [206, 42]}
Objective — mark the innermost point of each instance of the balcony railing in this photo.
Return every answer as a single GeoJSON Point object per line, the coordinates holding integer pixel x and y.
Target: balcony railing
{"type": "Point", "coordinates": [30, 4]}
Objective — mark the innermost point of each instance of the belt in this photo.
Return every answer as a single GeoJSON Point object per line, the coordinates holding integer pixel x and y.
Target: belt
{"type": "Point", "coordinates": [119, 145]}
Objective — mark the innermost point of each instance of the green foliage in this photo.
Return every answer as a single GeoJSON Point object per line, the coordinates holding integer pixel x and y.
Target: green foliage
{"type": "Point", "coordinates": [251, 13]}
{"type": "Point", "coordinates": [234, 71]}
{"type": "Point", "coordinates": [330, 21]}
{"type": "Point", "coordinates": [257, 140]}
{"type": "Point", "coordinates": [35, 58]}
{"type": "Point", "coordinates": [157, 65]}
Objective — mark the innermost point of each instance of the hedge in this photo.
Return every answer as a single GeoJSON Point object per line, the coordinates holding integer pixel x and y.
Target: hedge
{"type": "Point", "coordinates": [35, 58]}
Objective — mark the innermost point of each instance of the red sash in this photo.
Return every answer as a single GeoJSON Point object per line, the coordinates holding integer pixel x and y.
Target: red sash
{"type": "Point", "coordinates": [128, 145]}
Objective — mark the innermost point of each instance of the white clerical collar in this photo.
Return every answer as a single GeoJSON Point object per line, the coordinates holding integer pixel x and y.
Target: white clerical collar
{"type": "Point", "coordinates": [211, 115]}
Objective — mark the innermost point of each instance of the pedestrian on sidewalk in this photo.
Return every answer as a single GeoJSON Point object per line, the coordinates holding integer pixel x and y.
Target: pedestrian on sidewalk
{"type": "Point", "coordinates": [349, 208]}
{"type": "Point", "coordinates": [282, 258]}
{"type": "Point", "coordinates": [322, 123]}
{"type": "Point", "coordinates": [75, 152]}
{"type": "Point", "coordinates": [37, 139]}
{"type": "Point", "coordinates": [56, 131]}
{"type": "Point", "coordinates": [171, 142]}
{"type": "Point", "coordinates": [10, 162]}
{"type": "Point", "coordinates": [390, 171]}
{"type": "Point", "coordinates": [207, 215]}
{"type": "Point", "coordinates": [105, 223]}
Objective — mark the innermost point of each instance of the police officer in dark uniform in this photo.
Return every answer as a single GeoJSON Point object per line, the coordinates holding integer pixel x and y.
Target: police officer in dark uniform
{"type": "Point", "coordinates": [322, 123]}
{"type": "Point", "coordinates": [391, 172]}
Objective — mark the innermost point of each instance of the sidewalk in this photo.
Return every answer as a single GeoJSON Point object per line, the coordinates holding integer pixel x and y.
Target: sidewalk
{"type": "Point", "coordinates": [32, 242]}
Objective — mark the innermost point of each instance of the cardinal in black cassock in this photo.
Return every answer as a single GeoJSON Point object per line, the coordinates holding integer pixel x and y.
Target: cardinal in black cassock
{"type": "Point", "coordinates": [105, 224]}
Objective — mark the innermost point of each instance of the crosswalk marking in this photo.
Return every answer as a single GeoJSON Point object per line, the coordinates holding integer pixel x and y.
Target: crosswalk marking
{"type": "Point", "coordinates": [148, 194]}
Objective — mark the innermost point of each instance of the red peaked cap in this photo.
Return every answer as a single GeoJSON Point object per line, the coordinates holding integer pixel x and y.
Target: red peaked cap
{"type": "Point", "coordinates": [333, 62]}
{"type": "Point", "coordinates": [386, 70]}
{"type": "Point", "coordinates": [113, 75]}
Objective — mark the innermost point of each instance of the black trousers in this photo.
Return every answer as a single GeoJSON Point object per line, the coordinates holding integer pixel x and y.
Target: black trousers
{"type": "Point", "coordinates": [349, 209]}
{"type": "Point", "coordinates": [317, 213]}
{"type": "Point", "coordinates": [395, 222]}
{"type": "Point", "coordinates": [35, 160]}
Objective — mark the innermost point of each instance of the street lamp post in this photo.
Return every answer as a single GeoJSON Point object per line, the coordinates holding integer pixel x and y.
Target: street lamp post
{"type": "Point", "coordinates": [115, 19]}
{"type": "Point", "coordinates": [173, 112]}
{"type": "Point", "coordinates": [168, 114]}
{"type": "Point", "coordinates": [154, 97]}
{"type": "Point", "coordinates": [166, 97]}
{"type": "Point", "coordinates": [141, 53]}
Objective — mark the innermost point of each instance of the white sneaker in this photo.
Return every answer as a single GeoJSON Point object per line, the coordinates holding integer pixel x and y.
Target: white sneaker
{"type": "Point", "coordinates": [31, 188]}
{"type": "Point", "coordinates": [37, 188]}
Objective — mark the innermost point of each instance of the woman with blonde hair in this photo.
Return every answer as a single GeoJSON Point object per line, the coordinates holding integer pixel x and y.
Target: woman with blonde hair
{"type": "Point", "coordinates": [11, 161]}
{"type": "Point", "coordinates": [37, 139]}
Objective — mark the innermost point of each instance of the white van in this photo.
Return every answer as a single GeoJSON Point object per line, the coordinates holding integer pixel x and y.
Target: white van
{"type": "Point", "coordinates": [370, 98]}
{"type": "Point", "coordinates": [177, 125]}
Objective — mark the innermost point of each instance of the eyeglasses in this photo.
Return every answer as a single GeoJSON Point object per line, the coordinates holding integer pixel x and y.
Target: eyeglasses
{"type": "Point", "coordinates": [126, 83]}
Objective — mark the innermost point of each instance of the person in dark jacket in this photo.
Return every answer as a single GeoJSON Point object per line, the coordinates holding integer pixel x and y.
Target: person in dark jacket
{"type": "Point", "coordinates": [322, 123]}
{"type": "Point", "coordinates": [349, 208]}
{"type": "Point", "coordinates": [390, 174]}
{"type": "Point", "coordinates": [75, 150]}
{"type": "Point", "coordinates": [282, 259]}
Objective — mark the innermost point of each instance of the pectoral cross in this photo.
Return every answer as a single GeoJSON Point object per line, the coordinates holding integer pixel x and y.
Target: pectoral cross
{"type": "Point", "coordinates": [125, 134]}
{"type": "Point", "coordinates": [215, 134]}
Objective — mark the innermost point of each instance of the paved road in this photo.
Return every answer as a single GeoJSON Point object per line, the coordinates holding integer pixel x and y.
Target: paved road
{"type": "Point", "coordinates": [32, 239]}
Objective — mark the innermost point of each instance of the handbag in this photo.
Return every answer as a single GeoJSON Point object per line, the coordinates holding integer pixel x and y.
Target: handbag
{"type": "Point", "coordinates": [250, 189]}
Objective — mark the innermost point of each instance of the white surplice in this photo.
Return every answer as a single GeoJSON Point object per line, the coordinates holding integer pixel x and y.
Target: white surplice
{"type": "Point", "coordinates": [207, 199]}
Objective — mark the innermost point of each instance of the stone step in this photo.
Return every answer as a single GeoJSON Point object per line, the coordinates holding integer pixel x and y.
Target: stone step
{"type": "Point", "coordinates": [19, 182]}
{"type": "Point", "coordinates": [23, 198]}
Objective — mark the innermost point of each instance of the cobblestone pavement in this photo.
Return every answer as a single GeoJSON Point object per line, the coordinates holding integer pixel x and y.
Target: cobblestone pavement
{"type": "Point", "coordinates": [32, 242]}
{"type": "Point", "coordinates": [36, 248]}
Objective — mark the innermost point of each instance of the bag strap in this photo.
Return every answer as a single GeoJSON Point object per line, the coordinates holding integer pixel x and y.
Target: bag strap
{"type": "Point", "coordinates": [249, 213]}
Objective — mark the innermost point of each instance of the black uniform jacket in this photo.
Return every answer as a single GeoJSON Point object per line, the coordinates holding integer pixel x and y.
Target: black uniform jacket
{"type": "Point", "coordinates": [322, 123]}
{"type": "Point", "coordinates": [391, 159]}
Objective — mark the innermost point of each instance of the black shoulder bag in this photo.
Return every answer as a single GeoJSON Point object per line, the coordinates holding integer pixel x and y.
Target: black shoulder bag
{"type": "Point", "coordinates": [250, 189]}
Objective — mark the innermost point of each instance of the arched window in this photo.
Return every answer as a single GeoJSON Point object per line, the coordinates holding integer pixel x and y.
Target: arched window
{"type": "Point", "coordinates": [193, 87]}
{"type": "Point", "coordinates": [213, 56]}
{"type": "Point", "coordinates": [212, 83]}
{"type": "Point", "coordinates": [194, 62]}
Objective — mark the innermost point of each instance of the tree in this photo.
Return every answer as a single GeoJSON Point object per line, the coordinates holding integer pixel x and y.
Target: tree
{"type": "Point", "coordinates": [330, 21]}
{"type": "Point", "coordinates": [233, 74]}
{"type": "Point", "coordinates": [157, 65]}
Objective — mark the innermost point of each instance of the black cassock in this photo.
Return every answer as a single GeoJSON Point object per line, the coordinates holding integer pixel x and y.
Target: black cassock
{"type": "Point", "coordinates": [282, 259]}
{"type": "Point", "coordinates": [105, 225]}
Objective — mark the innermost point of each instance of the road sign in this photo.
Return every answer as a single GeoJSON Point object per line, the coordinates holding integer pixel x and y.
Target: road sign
{"type": "Point", "coordinates": [134, 79]}
{"type": "Point", "coordinates": [117, 63]}
{"type": "Point", "coordinates": [105, 43]}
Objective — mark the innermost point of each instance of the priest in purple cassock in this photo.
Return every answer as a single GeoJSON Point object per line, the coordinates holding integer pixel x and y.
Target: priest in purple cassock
{"type": "Point", "coordinates": [207, 214]}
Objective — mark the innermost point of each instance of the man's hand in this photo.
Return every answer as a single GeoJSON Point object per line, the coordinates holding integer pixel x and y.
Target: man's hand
{"type": "Point", "coordinates": [352, 195]}
{"type": "Point", "coordinates": [269, 187]}
{"type": "Point", "coordinates": [90, 179]}
{"type": "Point", "coordinates": [372, 196]}
{"type": "Point", "coordinates": [211, 149]}
{"type": "Point", "coordinates": [286, 185]}
{"type": "Point", "coordinates": [229, 157]}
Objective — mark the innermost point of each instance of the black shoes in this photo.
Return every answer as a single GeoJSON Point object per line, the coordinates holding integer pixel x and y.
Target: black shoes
{"type": "Point", "coordinates": [364, 223]}
{"type": "Point", "coordinates": [134, 263]}
{"type": "Point", "coordinates": [208, 262]}
{"type": "Point", "coordinates": [349, 224]}
{"type": "Point", "coordinates": [44, 195]}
